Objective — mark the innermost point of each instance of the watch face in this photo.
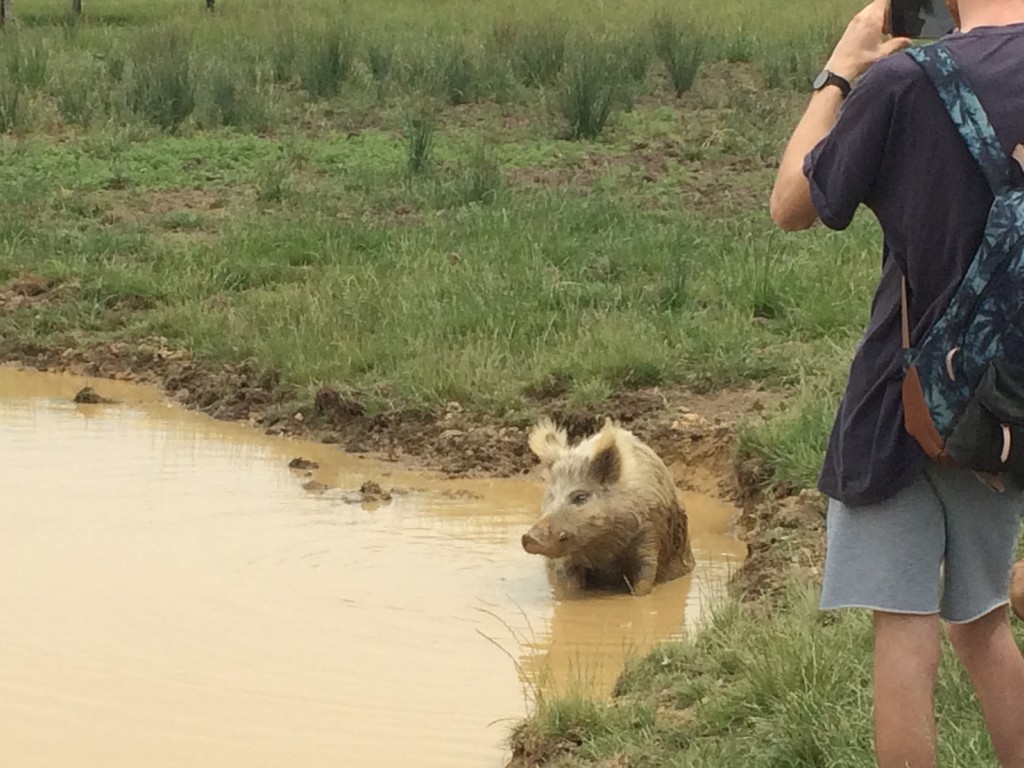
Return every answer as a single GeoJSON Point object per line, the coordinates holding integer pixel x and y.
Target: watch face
{"type": "Point", "coordinates": [821, 79]}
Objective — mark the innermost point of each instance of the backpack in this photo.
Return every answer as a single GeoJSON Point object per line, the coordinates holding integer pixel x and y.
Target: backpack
{"type": "Point", "coordinates": [963, 384]}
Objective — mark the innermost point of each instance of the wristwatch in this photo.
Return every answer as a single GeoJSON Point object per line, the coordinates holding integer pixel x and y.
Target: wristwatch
{"type": "Point", "coordinates": [827, 78]}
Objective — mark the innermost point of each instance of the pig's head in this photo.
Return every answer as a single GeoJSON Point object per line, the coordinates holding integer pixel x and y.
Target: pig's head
{"type": "Point", "coordinates": [578, 505]}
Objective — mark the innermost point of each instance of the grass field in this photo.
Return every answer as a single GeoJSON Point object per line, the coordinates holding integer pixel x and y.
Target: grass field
{"type": "Point", "coordinates": [359, 199]}
{"type": "Point", "coordinates": [433, 201]}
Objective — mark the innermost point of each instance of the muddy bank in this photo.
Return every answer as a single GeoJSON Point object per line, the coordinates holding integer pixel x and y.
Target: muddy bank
{"type": "Point", "coordinates": [694, 432]}
{"type": "Point", "coordinates": [694, 429]}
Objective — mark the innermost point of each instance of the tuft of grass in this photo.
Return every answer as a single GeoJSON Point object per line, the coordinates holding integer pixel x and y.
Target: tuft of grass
{"type": "Point", "coordinates": [224, 92]}
{"type": "Point", "coordinates": [481, 181]}
{"type": "Point", "coordinates": [503, 37]}
{"type": "Point", "coordinates": [163, 86]}
{"type": "Point", "coordinates": [681, 53]}
{"type": "Point", "coordinates": [272, 180]}
{"type": "Point", "coordinates": [740, 47]}
{"type": "Point", "coordinates": [28, 64]}
{"type": "Point", "coordinates": [793, 63]}
{"type": "Point", "coordinates": [419, 143]}
{"type": "Point", "coordinates": [327, 64]}
{"type": "Point", "coordinates": [381, 60]}
{"type": "Point", "coordinates": [635, 56]}
{"type": "Point", "coordinates": [589, 93]}
{"type": "Point", "coordinates": [114, 64]}
{"type": "Point", "coordinates": [283, 54]}
{"type": "Point", "coordinates": [233, 99]}
{"type": "Point", "coordinates": [540, 53]}
{"type": "Point", "coordinates": [457, 71]}
{"type": "Point", "coordinates": [10, 100]}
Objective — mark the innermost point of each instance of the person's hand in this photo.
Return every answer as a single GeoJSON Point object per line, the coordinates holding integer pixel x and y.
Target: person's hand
{"type": "Point", "coordinates": [864, 42]}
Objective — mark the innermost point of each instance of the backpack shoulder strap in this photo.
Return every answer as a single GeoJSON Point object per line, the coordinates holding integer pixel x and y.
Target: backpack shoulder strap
{"type": "Point", "coordinates": [966, 111]}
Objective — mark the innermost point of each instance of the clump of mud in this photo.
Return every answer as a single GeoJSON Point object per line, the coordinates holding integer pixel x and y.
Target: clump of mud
{"type": "Point", "coordinates": [89, 396]}
{"type": "Point", "coordinates": [330, 405]}
{"type": "Point", "coordinates": [302, 464]}
{"type": "Point", "coordinates": [371, 492]}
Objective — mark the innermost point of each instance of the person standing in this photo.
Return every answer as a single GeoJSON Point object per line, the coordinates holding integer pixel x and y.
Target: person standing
{"type": "Point", "coordinates": [917, 543]}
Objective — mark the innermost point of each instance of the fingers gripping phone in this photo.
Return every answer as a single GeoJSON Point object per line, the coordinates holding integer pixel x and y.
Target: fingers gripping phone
{"type": "Point", "coordinates": [920, 19]}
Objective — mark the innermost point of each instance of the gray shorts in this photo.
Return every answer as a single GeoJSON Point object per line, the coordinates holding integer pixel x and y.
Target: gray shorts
{"type": "Point", "coordinates": [944, 545]}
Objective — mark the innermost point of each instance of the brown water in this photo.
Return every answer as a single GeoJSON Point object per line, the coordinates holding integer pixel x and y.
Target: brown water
{"type": "Point", "coordinates": [170, 595]}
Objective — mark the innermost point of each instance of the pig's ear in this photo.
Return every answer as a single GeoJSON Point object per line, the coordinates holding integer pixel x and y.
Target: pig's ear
{"type": "Point", "coordinates": [548, 442]}
{"type": "Point", "coordinates": [606, 465]}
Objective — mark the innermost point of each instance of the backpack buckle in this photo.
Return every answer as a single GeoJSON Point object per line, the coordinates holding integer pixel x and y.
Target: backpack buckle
{"type": "Point", "coordinates": [949, 363]}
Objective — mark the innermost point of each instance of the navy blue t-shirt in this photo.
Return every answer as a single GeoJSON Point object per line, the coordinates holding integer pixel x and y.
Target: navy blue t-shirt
{"type": "Point", "coordinates": [895, 149]}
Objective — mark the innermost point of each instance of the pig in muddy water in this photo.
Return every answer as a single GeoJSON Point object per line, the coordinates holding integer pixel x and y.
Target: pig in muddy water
{"type": "Point", "coordinates": [611, 516]}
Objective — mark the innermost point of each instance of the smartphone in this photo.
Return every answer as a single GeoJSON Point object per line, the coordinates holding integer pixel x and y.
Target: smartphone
{"type": "Point", "coordinates": [920, 19]}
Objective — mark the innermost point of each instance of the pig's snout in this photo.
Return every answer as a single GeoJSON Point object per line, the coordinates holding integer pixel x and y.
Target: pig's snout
{"type": "Point", "coordinates": [530, 543]}
{"type": "Point", "coordinates": [543, 540]}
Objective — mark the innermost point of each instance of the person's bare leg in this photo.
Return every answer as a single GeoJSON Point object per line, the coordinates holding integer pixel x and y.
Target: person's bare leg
{"type": "Point", "coordinates": [989, 653]}
{"type": "Point", "coordinates": [907, 653]}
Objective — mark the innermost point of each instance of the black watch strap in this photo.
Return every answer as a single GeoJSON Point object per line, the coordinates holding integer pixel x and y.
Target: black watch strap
{"type": "Point", "coordinates": [827, 78]}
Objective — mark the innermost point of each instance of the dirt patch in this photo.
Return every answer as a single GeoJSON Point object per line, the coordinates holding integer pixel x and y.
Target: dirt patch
{"type": "Point", "coordinates": [582, 173]}
{"type": "Point", "coordinates": [728, 186]}
{"type": "Point", "coordinates": [176, 213]}
{"type": "Point", "coordinates": [498, 120]}
{"type": "Point", "coordinates": [543, 177]}
{"type": "Point", "coordinates": [533, 749]}
{"type": "Point", "coordinates": [785, 544]}
{"type": "Point", "coordinates": [694, 433]}
{"type": "Point", "coordinates": [29, 291]}
{"type": "Point", "coordinates": [723, 186]}
{"type": "Point", "coordinates": [168, 200]}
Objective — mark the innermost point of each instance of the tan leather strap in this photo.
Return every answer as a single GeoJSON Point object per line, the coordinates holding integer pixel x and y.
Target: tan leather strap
{"type": "Point", "coordinates": [906, 314]}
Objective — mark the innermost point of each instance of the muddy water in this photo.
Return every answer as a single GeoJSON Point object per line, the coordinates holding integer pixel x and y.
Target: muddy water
{"type": "Point", "coordinates": [171, 595]}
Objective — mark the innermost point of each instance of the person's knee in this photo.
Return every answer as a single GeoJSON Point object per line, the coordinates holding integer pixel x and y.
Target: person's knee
{"type": "Point", "coordinates": [925, 660]}
{"type": "Point", "coordinates": [907, 644]}
{"type": "Point", "coordinates": [975, 638]}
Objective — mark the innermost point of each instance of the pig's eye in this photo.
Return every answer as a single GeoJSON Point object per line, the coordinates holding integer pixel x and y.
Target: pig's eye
{"type": "Point", "coordinates": [579, 498]}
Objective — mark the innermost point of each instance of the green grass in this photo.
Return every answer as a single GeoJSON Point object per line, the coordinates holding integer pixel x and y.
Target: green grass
{"type": "Point", "coordinates": [339, 267]}
{"type": "Point", "coordinates": [259, 65]}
